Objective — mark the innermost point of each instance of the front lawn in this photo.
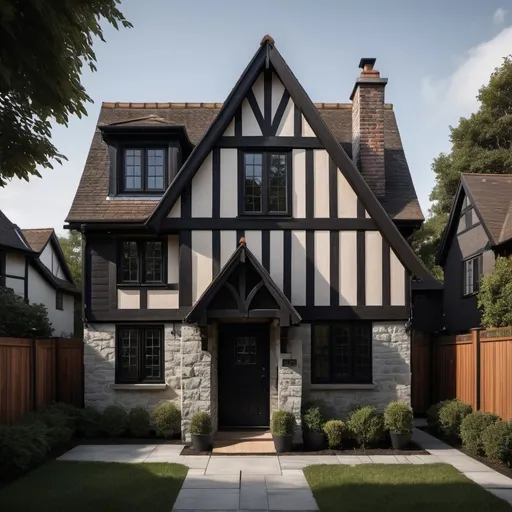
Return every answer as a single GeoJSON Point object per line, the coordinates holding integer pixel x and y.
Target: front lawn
{"type": "Point", "coordinates": [95, 486]}
{"type": "Point", "coordinates": [398, 488]}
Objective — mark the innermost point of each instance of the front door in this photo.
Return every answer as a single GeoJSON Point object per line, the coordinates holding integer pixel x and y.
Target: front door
{"type": "Point", "coordinates": [244, 384]}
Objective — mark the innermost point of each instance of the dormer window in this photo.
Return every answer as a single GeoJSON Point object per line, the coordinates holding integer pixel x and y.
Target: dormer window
{"type": "Point", "coordinates": [144, 170]}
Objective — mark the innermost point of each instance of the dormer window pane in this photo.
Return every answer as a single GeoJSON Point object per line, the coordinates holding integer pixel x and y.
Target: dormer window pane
{"type": "Point", "coordinates": [156, 169]}
{"type": "Point", "coordinates": [144, 170]}
{"type": "Point", "coordinates": [133, 169]}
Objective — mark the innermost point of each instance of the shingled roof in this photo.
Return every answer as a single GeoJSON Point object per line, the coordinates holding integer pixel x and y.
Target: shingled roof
{"type": "Point", "coordinates": [37, 238]}
{"type": "Point", "coordinates": [11, 236]}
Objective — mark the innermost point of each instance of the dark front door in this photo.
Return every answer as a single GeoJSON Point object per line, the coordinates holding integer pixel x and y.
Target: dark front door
{"type": "Point", "coordinates": [244, 384]}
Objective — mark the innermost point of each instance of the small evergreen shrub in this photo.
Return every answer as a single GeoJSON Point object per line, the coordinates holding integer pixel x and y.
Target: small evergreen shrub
{"type": "Point", "coordinates": [433, 417]}
{"type": "Point", "coordinates": [58, 431]}
{"type": "Point", "coordinates": [497, 442]}
{"type": "Point", "coordinates": [167, 418]}
{"type": "Point", "coordinates": [71, 412]}
{"type": "Point", "coordinates": [201, 424]}
{"type": "Point", "coordinates": [334, 430]}
{"type": "Point", "coordinates": [365, 425]}
{"type": "Point", "coordinates": [472, 428]}
{"type": "Point", "coordinates": [89, 423]}
{"type": "Point", "coordinates": [398, 417]}
{"type": "Point", "coordinates": [138, 422]}
{"type": "Point", "coordinates": [451, 414]}
{"type": "Point", "coordinates": [313, 418]}
{"type": "Point", "coordinates": [114, 421]}
{"type": "Point", "coordinates": [282, 423]}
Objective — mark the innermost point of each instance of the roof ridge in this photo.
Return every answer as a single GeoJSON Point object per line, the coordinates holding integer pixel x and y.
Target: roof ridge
{"type": "Point", "coordinates": [38, 229]}
{"type": "Point", "coordinates": [486, 174]}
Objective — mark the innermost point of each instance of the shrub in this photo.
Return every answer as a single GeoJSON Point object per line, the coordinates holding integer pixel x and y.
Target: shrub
{"type": "Point", "coordinates": [495, 295]}
{"type": "Point", "coordinates": [497, 442]}
{"type": "Point", "coordinates": [200, 424]}
{"type": "Point", "coordinates": [313, 418]}
{"type": "Point", "coordinates": [22, 320]}
{"type": "Point", "coordinates": [114, 421]}
{"type": "Point", "coordinates": [167, 418]}
{"type": "Point", "coordinates": [138, 422]}
{"type": "Point", "coordinates": [58, 431]}
{"type": "Point", "coordinates": [398, 417]}
{"type": "Point", "coordinates": [334, 429]}
{"type": "Point", "coordinates": [472, 428]}
{"type": "Point", "coordinates": [71, 412]}
{"type": "Point", "coordinates": [22, 447]}
{"type": "Point", "coordinates": [282, 423]}
{"type": "Point", "coordinates": [366, 425]}
{"type": "Point", "coordinates": [89, 422]}
{"type": "Point", "coordinates": [451, 414]}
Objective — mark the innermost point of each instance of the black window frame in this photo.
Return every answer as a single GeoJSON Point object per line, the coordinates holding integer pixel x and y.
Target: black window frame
{"type": "Point", "coordinates": [59, 300]}
{"type": "Point", "coordinates": [265, 197]}
{"type": "Point", "coordinates": [141, 262]}
{"type": "Point", "coordinates": [140, 377]}
{"type": "Point", "coordinates": [144, 190]}
{"type": "Point", "coordinates": [477, 271]}
{"type": "Point", "coordinates": [367, 378]}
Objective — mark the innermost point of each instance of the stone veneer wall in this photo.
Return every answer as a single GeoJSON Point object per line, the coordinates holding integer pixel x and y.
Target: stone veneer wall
{"type": "Point", "coordinates": [99, 370]}
{"type": "Point", "coordinates": [391, 351]}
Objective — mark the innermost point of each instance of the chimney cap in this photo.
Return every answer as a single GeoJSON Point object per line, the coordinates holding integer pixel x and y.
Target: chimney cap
{"type": "Point", "coordinates": [368, 62]}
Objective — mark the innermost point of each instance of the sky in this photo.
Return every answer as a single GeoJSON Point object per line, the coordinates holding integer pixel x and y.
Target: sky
{"type": "Point", "coordinates": [436, 55]}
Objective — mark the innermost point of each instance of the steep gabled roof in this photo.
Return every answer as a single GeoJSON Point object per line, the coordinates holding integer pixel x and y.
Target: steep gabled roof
{"type": "Point", "coordinates": [37, 238]}
{"type": "Point", "coordinates": [11, 236]}
{"type": "Point", "coordinates": [268, 55]}
{"type": "Point", "coordinates": [491, 197]}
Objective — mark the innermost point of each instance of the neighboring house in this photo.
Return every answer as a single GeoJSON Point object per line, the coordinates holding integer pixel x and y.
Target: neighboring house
{"type": "Point", "coordinates": [479, 228]}
{"type": "Point", "coordinates": [32, 265]}
{"type": "Point", "coordinates": [236, 259]}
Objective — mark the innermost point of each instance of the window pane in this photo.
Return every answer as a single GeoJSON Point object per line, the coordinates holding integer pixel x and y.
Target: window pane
{"type": "Point", "coordinates": [133, 169]}
{"type": "Point", "coordinates": [342, 354]}
{"type": "Point", "coordinates": [468, 277]}
{"type": "Point", "coordinates": [128, 350]}
{"type": "Point", "coordinates": [320, 370]}
{"type": "Point", "coordinates": [245, 350]}
{"type": "Point", "coordinates": [362, 347]}
{"type": "Point", "coordinates": [130, 263]}
{"type": "Point", "coordinates": [153, 354]}
{"type": "Point", "coordinates": [156, 169]}
{"type": "Point", "coordinates": [153, 263]}
{"type": "Point", "coordinates": [277, 182]}
{"type": "Point", "coordinates": [253, 177]}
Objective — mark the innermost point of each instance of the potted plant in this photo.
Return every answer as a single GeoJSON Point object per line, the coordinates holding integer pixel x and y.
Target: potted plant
{"type": "Point", "coordinates": [200, 429]}
{"type": "Point", "coordinates": [282, 427]}
{"type": "Point", "coordinates": [313, 420]}
{"type": "Point", "coordinates": [398, 420]}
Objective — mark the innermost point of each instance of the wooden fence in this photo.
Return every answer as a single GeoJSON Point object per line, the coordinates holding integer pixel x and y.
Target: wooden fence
{"type": "Point", "coordinates": [474, 367]}
{"type": "Point", "coordinates": [38, 372]}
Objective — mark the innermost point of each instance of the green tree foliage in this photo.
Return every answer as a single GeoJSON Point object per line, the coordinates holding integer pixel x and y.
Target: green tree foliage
{"type": "Point", "coordinates": [44, 45]}
{"type": "Point", "coordinates": [21, 320]}
{"type": "Point", "coordinates": [72, 249]}
{"type": "Point", "coordinates": [481, 143]}
{"type": "Point", "coordinates": [495, 296]}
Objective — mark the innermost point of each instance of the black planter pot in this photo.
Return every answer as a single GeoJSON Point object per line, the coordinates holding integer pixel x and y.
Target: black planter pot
{"type": "Point", "coordinates": [400, 441]}
{"type": "Point", "coordinates": [315, 441]}
{"type": "Point", "coordinates": [283, 443]}
{"type": "Point", "coordinates": [201, 442]}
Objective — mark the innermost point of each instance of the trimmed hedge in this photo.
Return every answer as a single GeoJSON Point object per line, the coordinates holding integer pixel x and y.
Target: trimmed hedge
{"type": "Point", "coordinates": [497, 442]}
{"type": "Point", "coordinates": [366, 425]}
{"type": "Point", "coordinates": [138, 422]}
{"type": "Point", "coordinates": [201, 424]}
{"type": "Point", "coordinates": [282, 423]}
{"type": "Point", "coordinates": [451, 414]}
{"type": "Point", "coordinates": [472, 428]}
{"type": "Point", "coordinates": [398, 417]}
{"type": "Point", "coordinates": [313, 417]}
{"type": "Point", "coordinates": [114, 421]}
{"type": "Point", "coordinates": [167, 418]}
{"type": "Point", "coordinates": [335, 431]}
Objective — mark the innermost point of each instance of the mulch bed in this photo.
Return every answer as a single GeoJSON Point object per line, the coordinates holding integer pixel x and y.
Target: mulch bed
{"type": "Point", "coordinates": [456, 443]}
{"type": "Point", "coordinates": [412, 449]}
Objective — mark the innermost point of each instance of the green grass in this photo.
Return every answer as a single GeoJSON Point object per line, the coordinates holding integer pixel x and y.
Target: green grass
{"type": "Point", "coordinates": [398, 488]}
{"type": "Point", "coordinates": [95, 487]}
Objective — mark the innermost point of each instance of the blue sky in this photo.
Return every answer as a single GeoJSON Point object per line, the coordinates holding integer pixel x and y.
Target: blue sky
{"type": "Point", "coordinates": [436, 55]}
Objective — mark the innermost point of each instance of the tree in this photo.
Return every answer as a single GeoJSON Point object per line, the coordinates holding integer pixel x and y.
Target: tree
{"type": "Point", "coordinates": [44, 46]}
{"type": "Point", "coordinates": [481, 143]}
{"type": "Point", "coordinates": [495, 295]}
{"type": "Point", "coordinates": [72, 249]}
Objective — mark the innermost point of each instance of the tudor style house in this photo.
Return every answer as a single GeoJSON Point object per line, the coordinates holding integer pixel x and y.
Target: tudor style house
{"type": "Point", "coordinates": [33, 266]}
{"type": "Point", "coordinates": [249, 255]}
{"type": "Point", "coordinates": [479, 229]}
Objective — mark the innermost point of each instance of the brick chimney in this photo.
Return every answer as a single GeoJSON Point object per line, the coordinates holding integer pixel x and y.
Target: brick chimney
{"type": "Point", "coordinates": [368, 126]}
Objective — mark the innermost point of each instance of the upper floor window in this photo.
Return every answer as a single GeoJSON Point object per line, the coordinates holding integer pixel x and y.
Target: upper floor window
{"type": "Point", "coordinates": [472, 273]}
{"type": "Point", "coordinates": [59, 300]}
{"type": "Point", "coordinates": [144, 170]}
{"type": "Point", "coordinates": [266, 183]}
{"type": "Point", "coordinates": [142, 262]}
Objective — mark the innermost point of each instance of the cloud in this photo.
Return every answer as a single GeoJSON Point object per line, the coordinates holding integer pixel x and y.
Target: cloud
{"type": "Point", "coordinates": [499, 16]}
{"type": "Point", "coordinates": [456, 94]}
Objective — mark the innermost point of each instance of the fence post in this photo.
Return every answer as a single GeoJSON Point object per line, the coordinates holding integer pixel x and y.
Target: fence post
{"type": "Point", "coordinates": [33, 372]}
{"type": "Point", "coordinates": [475, 333]}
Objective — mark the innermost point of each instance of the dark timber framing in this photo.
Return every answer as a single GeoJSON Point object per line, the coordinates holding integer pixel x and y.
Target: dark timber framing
{"type": "Point", "coordinates": [215, 253]}
{"type": "Point", "coordinates": [185, 271]}
{"type": "Point", "coordinates": [265, 249]}
{"type": "Point", "coordinates": [334, 267]}
{"type": "Point", "coordinates": [268, 53]}
{"type": "Point", "coordinates": [287, 262]}
{"type": "Point", "coordinates": [262, 123]}
{"type": "Point", "coordinates": [310, 184]}
{"type": "Point", "coordinates": [216, 183]}
{"type": "Point", "coordinates": [310, 268]}
{"type": "Point", "coordinates": [270, 141]}
{"type": "Point", "coordinates": [297, 121]}
{"type": "Point", "coordinates": [280, 112]}
{"type": "Point", "coordinates": [361, 268]}
{"type": "Point", "coordinates": [267, 98]}
{"type": "Point", "coordinates": [333, 190]}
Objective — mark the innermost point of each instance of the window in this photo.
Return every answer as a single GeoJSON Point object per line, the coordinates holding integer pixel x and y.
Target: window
{"type": "Point", "coordinates": [472, 273]}
{"type": "Point", "coordinates": [142, 262]}
{"type": "Point", "coordinates": [342, 353]}
{"type": "Point", "coordinates": [266, 183]}
{"type": "Point", "coordinates": [144, 170]}
{"type": "Point", "coordinates": [59, 300]}
{"type": "Point", "coordinates": [140, 355]}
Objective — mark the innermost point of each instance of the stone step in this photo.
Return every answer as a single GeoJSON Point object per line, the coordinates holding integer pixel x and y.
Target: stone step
{"type": "Point", "coordinates": [243, 435]}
